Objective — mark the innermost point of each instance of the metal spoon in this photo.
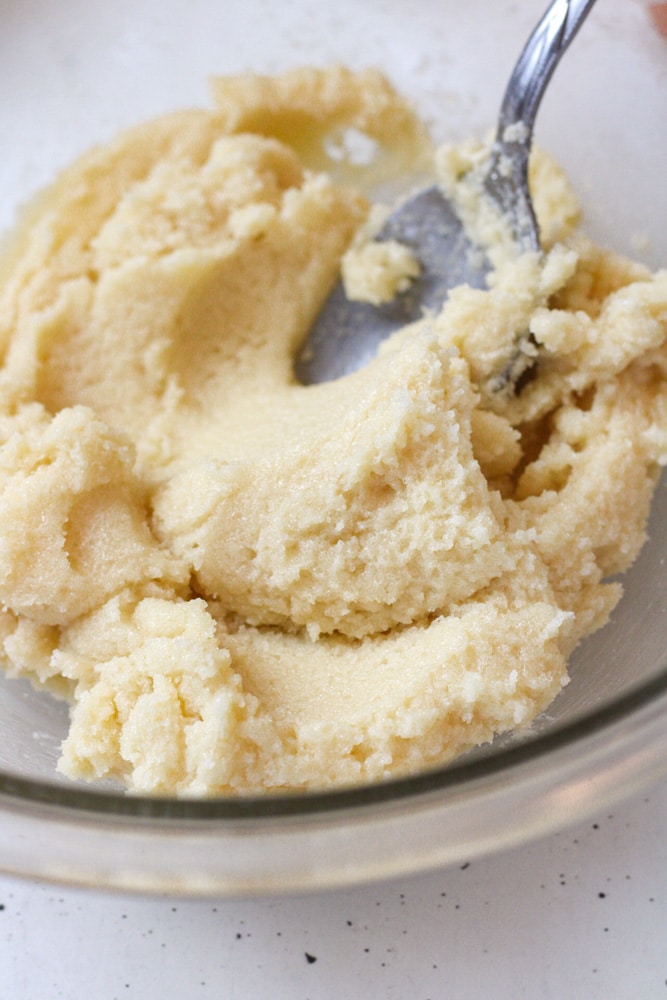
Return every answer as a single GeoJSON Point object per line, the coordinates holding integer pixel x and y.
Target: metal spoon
{"type": "Point", "coordinates": [346, 334]}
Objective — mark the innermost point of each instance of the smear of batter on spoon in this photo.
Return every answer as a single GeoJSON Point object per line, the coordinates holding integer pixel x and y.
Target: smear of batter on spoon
{"type": "Point", "coordinates": [240, 583]}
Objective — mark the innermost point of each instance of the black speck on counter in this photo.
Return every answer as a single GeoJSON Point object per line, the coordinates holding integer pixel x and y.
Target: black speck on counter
{"type": "Point", "coordinates": [2, 906]}
{"type": "Point", "coordinates": [464, 866]}
{"type": "Point", "coordinates": [310, 958]}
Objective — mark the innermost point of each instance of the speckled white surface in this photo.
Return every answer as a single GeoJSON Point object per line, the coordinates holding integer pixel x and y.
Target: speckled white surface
{"type": "Point", "coordinates": [582, 914]}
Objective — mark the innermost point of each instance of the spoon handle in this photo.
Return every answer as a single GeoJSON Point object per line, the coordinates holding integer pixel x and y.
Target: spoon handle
{"type": "Point", "coordinates": [507, 178]}
{"type": "Point", "coordinates": [540, 56]}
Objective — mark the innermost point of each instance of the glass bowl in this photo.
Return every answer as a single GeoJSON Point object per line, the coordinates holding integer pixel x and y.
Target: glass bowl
{"type": "Point", "coordinates": [73, 73]}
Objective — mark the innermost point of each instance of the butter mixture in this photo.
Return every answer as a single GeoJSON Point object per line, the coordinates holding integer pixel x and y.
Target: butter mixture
{"type": "Point", "coordinates": [243, 584]}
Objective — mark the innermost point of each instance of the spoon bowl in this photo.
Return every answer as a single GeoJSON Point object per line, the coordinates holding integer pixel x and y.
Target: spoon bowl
{"type": "Point", "coordinates": [347, 333]}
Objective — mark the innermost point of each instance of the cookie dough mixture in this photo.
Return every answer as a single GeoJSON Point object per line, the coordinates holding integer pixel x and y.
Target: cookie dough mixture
{"type": "Point", "coordinates": [240, 583]}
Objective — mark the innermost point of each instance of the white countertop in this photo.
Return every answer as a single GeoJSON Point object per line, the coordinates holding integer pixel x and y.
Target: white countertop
{"type": "Point", "coordinates": [581, 914]}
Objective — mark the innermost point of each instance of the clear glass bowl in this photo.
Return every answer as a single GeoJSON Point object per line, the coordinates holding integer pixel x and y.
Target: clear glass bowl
{"type": "Point", "coordinates": [72, 73]}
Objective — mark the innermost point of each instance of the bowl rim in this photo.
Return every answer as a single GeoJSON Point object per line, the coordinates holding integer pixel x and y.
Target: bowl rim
{"type": "Point", "coordinates": [99, 802]}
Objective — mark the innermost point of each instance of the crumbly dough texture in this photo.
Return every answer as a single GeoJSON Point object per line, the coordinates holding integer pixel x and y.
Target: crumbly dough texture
{"type": "Point", "coordinates": [242, 584]}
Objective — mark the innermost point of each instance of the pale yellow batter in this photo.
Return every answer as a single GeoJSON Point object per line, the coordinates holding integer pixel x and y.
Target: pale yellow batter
{"type": "Point", "coordinates": [244, 584]}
